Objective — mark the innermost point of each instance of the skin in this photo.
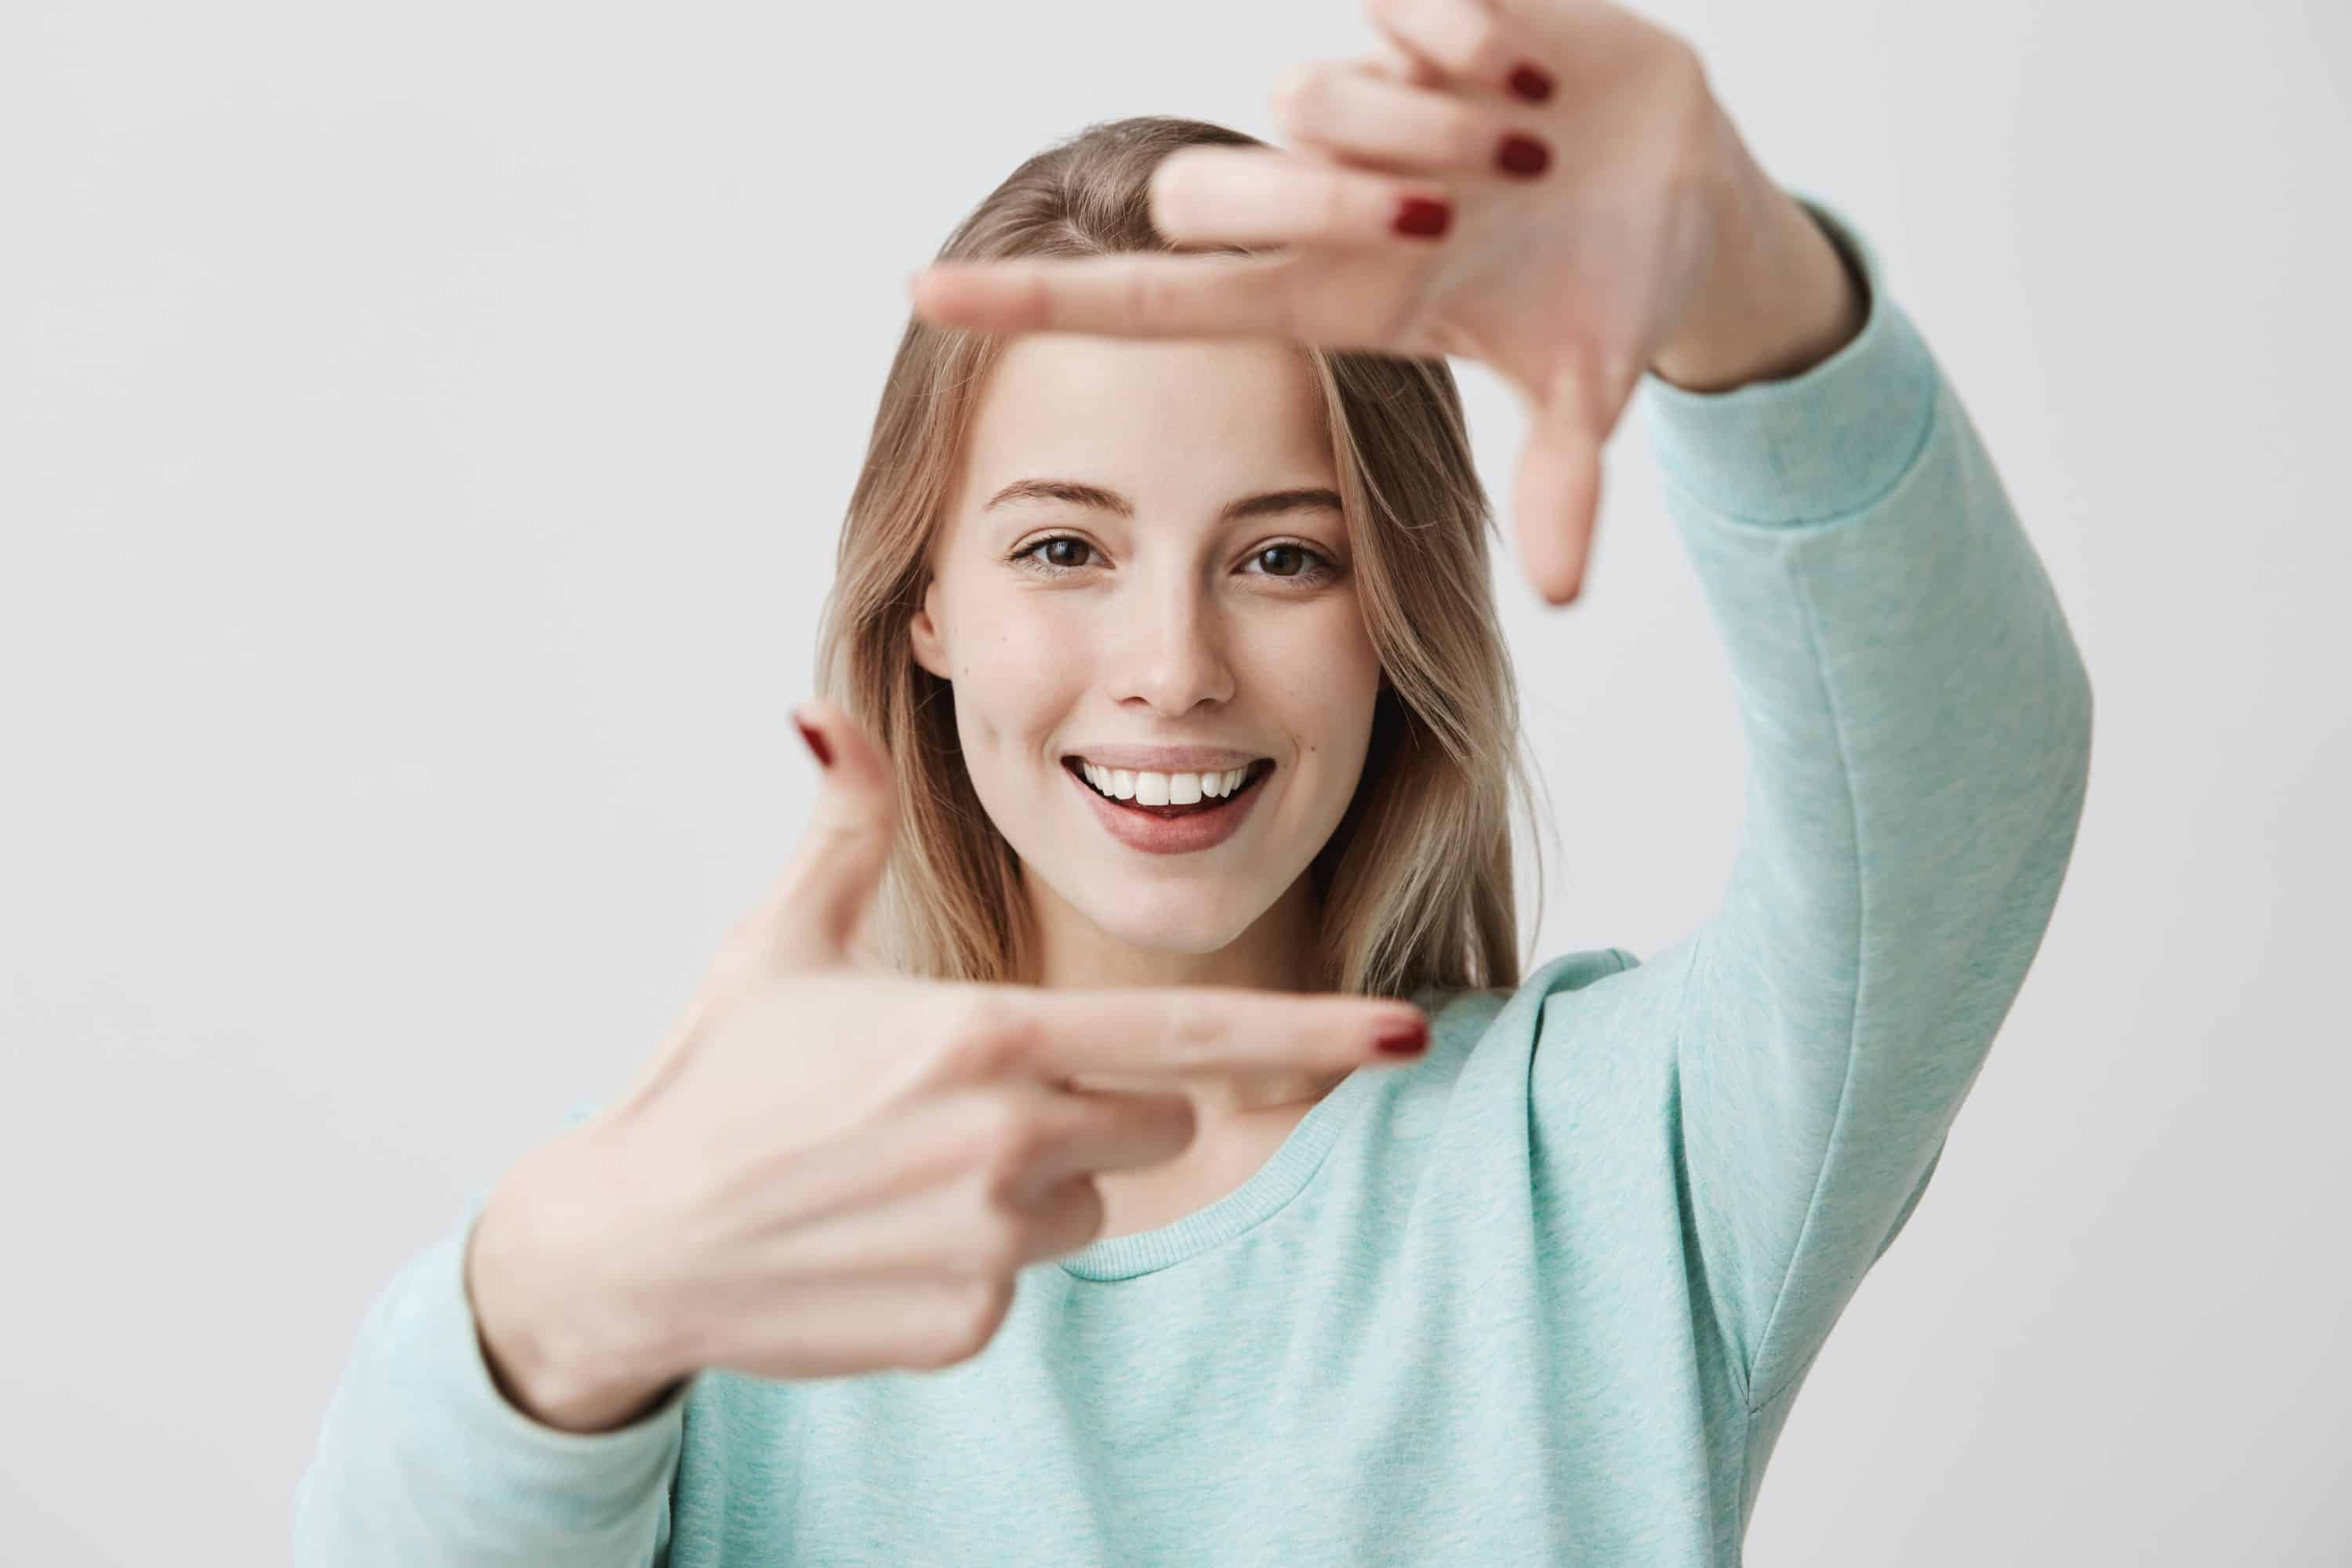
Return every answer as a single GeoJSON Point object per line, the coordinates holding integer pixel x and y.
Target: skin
{"type": "Point", "coordinates": [1653, 240]}
{"type": "Point", "coordinates": [1649, 239]}
{"type": "Point", "coordinates": [1167, 627]}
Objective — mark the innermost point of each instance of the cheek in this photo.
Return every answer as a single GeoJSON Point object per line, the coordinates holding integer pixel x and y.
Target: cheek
{"type": "Point", "coordinates": [1320, 668]}
{"type": "Point", "coordinates": [1018, 671]}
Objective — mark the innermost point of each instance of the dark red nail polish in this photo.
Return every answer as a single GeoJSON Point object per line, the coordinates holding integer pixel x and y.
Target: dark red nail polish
{"type": "Point", "coordinates": [1522, 155]}
{"type": "Point", "coordinates": [1531, 84]}
{"type": "Point", "coordinates": [815, 744]}
{"type": "Point", "coordinates": [1404, 1039]}
{"type": "Point", "coordinates": [1419, 215]}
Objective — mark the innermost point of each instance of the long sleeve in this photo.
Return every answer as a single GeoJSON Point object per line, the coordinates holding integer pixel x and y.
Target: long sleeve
{"type": "Point", "coordinates": [421, 1460]}
{"type": "Point", "coordinates": [1918, 725]}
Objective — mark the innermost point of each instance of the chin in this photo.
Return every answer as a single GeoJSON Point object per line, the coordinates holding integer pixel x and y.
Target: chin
{"type": "Point", "coordinates": [1193, 931]}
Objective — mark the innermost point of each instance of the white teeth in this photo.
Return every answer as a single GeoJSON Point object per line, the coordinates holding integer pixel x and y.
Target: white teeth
{"type": "Point", "coordinates": [1161, 789]}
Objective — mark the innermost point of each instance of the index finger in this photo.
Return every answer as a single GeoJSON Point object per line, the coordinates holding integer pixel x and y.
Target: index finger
{"type": "Point", "coordinates": [1167, 1029]}
{"type": "Point", "coordinates": [1128, 295]}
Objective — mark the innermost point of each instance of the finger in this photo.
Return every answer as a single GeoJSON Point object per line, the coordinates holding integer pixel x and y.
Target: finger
{"type": "Point", "coordinates": [1059, 1132]}
{"type": "Point", "coordinates": [813, 909]}
{"type": "Point", "coordinates": [1093, 1130]}
{"type": "Point", "coordinates": [1557, 497]}
{"type": "Point", "coordinates": [1465, 41]}
{"type": "Point", "coordinates": [1127, 295]}
{"type": "Point", "coordinates": [1068, 1217]}
{"type": "Point", "coordinates": [1376, 121]}
{"type": "Point", "coordinates": [902, 1197]}
{"type": "Point", "coordinates": [1252, 195]}
{"type": "Point", "coordinates": [1389, 58]}
{"type": "Point", "coordinates": [1158, 1030]}
{"type": "Point", "coordinates": [839, 1325]}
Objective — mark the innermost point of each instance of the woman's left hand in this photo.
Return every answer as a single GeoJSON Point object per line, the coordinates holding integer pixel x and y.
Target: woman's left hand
{"type": "Point", "coordinates": [1570, 280]}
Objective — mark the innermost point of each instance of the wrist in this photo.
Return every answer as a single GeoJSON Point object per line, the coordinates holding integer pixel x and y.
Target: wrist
{"type": "Point", "coordinates": [1777, 296]}
{"type": "Point", "coordinates": [558, 1345]}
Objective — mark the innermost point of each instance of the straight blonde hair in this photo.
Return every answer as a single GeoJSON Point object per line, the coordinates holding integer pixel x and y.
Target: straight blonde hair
{"type": "Point", "coordinates": [1415, 884]}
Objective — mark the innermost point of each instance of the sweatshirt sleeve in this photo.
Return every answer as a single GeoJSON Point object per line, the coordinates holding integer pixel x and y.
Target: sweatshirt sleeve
{"type": "Point", "coordinates": [420, 1458]}
{"type": "Point", "coordinates": [1917, 721]}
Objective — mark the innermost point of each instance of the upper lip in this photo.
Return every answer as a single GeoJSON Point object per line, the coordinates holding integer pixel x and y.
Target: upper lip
{"type": "Point", "coordinates": [1167, 759]}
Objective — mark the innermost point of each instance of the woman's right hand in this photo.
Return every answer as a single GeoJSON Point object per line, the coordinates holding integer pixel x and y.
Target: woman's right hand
{"type": "Point", "coordinates": [827, 1169]}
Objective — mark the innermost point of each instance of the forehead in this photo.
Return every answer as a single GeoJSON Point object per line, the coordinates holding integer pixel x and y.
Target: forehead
{"type": "Point", "coordinates": [1221, 412]}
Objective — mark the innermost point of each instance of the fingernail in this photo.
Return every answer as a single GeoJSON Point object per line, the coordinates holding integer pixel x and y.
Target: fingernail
{"type": "Point", "coordinates": [1531, 84]}
{"type": "Point", "coordinates": [815, 744]}
{"type": "Point", "coordinates": [1522, 155]}
{"type": "Point", "coordinates": [1421, 216]}
{"type": "Point", "coordinates": [1403, 1039]}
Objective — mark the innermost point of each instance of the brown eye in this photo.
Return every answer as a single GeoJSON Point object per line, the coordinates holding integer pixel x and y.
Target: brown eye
{"type": "Point", "coordinates": [1054, 557]}
{"type": "Point", "coordinates": [1295, 564]}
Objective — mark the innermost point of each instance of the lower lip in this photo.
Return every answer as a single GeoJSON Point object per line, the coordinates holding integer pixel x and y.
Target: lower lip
{"type": "Point", "coordinates": [1170, 834]}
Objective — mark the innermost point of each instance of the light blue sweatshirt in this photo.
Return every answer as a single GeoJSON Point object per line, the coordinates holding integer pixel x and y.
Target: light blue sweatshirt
{"type": "Point", "coordinates": [1544, 1297]}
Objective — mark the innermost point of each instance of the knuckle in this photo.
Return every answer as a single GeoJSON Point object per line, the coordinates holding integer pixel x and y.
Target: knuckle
{"type": "Point", "coordinates": [1190, 1034]}
{"type": "Point", "coordinates": [992, 1247]}
{"type": "Point", "coordinates": [942, 1343]}
{"type": "Point", "coordinates": [1085, 1211]}
{"type": "Point", "coordinates": [1150, 297]}
{"type": "Point", "coordinates": [1484, 41]}
{"type": "Point", "coordinates": [1007, 1142]}
{"type": "Point", "coordinates": [985, 1035]}
{"type": "Point", "coordinates": [1468, 136]}
{"type": "Point", "coordinates": [979, 1312]}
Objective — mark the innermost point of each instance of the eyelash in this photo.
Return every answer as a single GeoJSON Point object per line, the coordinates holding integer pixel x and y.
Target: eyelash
{"type": "Point", "coordinates": [1027, 559]}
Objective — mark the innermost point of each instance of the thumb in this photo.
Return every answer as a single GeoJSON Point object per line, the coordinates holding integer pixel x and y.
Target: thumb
{"type": "Point", "coordinates": [1556, 496]}
{"type": "Point", "coordinates": [815, 909]}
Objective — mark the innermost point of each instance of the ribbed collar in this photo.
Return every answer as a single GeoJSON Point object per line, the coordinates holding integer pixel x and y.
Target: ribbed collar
{"type": "Point", "coordinates": [1276, 1183]}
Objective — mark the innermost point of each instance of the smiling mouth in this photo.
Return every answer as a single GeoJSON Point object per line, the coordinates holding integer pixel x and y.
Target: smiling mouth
{"type": "Point", "coordinates": [1258, 772]}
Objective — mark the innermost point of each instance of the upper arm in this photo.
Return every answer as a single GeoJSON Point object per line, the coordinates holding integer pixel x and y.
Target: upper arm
{"type": "Point", "coordinates": [1916, 721]}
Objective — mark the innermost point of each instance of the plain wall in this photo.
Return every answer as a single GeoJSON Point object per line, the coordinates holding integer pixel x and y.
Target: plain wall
{"type": "Point", "coordinates": [423, 435]}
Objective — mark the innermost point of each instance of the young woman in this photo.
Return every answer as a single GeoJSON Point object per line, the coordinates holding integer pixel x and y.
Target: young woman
{"type": "Point", "coordinates": [1030, 1180]}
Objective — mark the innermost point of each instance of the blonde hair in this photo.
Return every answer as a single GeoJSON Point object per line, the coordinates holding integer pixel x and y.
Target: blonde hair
{"type": "Point", "coordinates": [1415, 884]}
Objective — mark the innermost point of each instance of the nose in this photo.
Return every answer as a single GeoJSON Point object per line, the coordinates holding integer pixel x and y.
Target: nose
{"type": "Point", "coordinates": [1171, 648]}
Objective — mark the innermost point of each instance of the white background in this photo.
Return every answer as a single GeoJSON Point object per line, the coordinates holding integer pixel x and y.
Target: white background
{"type": "Point", "coordinates": [423, 434]}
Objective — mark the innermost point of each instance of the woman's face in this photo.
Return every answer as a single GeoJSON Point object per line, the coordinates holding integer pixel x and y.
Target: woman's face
{"type": "Point", "coordinates": [1146, 566]}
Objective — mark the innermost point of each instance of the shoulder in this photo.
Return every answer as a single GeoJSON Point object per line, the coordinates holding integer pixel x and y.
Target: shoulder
{"type": "Point", "coordinates": [1479, 1009]}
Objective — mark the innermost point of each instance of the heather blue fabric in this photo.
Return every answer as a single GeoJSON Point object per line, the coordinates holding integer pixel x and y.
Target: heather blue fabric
{"type": "Point", "coordinates": [1545, 1297]}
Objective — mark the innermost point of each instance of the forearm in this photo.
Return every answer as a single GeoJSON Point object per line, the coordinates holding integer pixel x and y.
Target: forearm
{"type": "Point", "coordinates": [1778, 298]}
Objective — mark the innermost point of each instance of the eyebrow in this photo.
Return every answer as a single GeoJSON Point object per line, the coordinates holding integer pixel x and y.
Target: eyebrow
{"type": "Point", "coordinates": [1074, 492]}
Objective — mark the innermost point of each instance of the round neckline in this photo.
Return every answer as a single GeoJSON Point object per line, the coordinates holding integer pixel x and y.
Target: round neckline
{"type": "Point", "coordinates": [1273, 1185]}
{"type": "Point", "coordinates": [1250, 1204]}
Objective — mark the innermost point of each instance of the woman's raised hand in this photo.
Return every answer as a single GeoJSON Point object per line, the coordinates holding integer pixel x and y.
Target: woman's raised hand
{"type": "Point", "coordinates": [826, 1169]}
{"type": "Point", "coordinates": [1583, 172]}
